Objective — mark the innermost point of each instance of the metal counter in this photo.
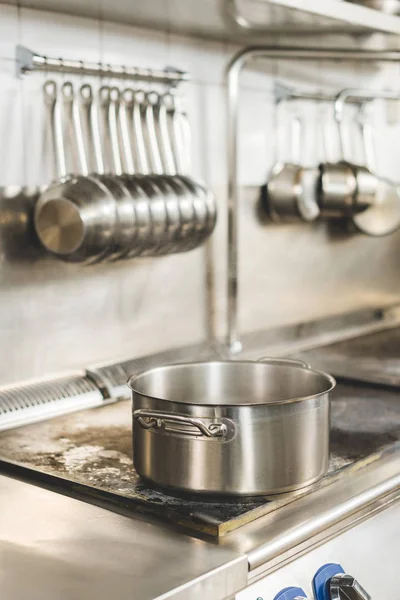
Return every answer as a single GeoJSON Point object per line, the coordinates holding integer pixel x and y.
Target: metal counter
{"type": "Point", "coordinates": [52, 547]}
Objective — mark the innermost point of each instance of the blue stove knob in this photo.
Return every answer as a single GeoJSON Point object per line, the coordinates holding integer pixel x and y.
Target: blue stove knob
{"type": "Point", "coordinates": [321, 580]}
{"type": "Point", "coordinates": [291, 593]}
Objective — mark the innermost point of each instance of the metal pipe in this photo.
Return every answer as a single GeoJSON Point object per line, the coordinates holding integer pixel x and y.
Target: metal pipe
{"type": "Point", "coordinates": [28, 61]}
{"type": "Point", "coordinates": [234, 69]}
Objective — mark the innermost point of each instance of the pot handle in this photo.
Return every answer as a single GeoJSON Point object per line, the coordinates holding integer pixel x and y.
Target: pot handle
{"type": "Point", "coordinates": [154, 419]}
{"type": "Point", "coordinates": [284, 361]}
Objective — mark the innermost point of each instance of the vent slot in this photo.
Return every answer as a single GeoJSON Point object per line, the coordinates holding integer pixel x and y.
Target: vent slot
{"type": "Point", "coordinates": [33, 402]}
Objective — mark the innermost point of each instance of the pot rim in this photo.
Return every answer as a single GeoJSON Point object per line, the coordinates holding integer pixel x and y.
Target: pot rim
{"type": "Point", "coordinates": [331, 380]}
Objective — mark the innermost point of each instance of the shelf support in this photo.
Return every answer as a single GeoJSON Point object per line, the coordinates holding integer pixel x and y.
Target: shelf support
{"type": "Point", "coordinates": [235, 67]}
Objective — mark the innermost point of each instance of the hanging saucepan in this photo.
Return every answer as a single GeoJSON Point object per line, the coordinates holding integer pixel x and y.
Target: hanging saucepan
{"type": "Point", "coordinates": [382, 216]}
{"type": "Point", "coordinates": [237, 428]}
{"type": "Point", "coordinates": [292, 190]}
{"type": "Point", "coordinates": [75, 217]}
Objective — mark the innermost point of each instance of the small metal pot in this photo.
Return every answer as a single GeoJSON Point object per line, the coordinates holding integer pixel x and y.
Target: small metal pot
{"type": "Point", "coordinates": [237, 428]}
{"type": "Point", "coordinates": [338, 189]}
{"type": "Point", "coordinates": [292, 190]}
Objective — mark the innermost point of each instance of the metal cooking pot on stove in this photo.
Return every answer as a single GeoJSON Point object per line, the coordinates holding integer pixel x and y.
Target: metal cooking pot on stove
{"type": "Point", "coordinates": [237, 428]}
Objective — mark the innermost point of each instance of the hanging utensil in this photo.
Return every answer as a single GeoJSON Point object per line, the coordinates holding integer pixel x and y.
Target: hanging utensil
{"type": "Point", "coordinates": [204, 202]}
{"type": "Point", "coordinates": [150, 216]}
{"type": "Point", "coordinates": [192, 206]}
{"type": "Point", "coordinates": [383, 217]}
{"type": "Point", "coordinates": [292, 190]}
{"type": "Point", "coordinates": [75, 217]}
{"type": "Point", "coordinates": [338, 181]}
{"type": "Point", "coordinates": [160, 235]}
{"type": "Point", "coordinates": [125, 230]}
{"type": "Point", "coordinates": [145, 130]}
{"type": "Point", "coordinates": [179, 133]}
{"type": "Point", "coordinates": [366, 179]}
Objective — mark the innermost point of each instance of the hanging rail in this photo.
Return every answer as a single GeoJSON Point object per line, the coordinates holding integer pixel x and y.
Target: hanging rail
{"type": "Point", "coordinates": [284, 93]}
{"type": "Point", "coordinates": [28, 62]}
{"type": "Point", "coordinates": [235, 67]}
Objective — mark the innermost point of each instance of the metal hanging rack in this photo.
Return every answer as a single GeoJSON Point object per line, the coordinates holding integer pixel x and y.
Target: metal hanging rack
{"type": "Point", "coordinates": [238, 62]}
{"type": "Point", "coordinates": [283, 93]}
{"type": "Point", "coordinates": [28, 62]}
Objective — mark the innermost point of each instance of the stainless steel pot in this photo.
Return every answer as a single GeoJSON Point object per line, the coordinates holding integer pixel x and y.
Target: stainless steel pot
{"type": "Point", "coordinates": [292, 190]}
{"type": "Point", "coordinates": [236, 428]}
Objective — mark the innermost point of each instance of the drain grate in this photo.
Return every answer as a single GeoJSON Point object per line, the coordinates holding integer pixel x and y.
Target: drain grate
{"type": "Point", "coordinates": [33, 402]}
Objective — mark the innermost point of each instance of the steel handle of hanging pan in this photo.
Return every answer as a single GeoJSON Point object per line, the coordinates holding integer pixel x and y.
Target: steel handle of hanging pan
{"type": "Point", "coordinates": [56, 127]}
{"type": "Point", "coordinates": [154, 419]}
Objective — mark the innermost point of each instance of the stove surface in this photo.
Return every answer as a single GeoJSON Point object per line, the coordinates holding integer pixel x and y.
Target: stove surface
{"type": "Point", "coordinates": [373, 358]}
{"type": "Point", "coordinates": [90, 453]}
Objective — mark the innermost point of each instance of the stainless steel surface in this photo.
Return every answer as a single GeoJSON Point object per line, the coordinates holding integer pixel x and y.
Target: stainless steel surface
{"type": "Point", "coordinates": [295, 16]}
{"type": "Point", "coordinates": [345, 587]}
{"type": "Point", "coordinates": [267, 426]}
{"type": "Point", "coordinates": [75, 217]}
{"type": "Point", "coordinates": [372, 358]}
{"type": "Point", "coordinates": [352, 549]}
{"type": "Point", "coordinates": [233, 75]}
{"type": "Point", "coordinates": [274, 539]}
{"type": "Point", "coordinates": [29, 61]}
{"type": "Point", "coordinates": [55, 546]}
{"type": "Point", "coordinates": [236, 20]}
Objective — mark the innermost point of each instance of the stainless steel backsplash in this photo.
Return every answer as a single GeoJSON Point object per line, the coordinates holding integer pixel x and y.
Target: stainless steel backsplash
{"type": "Point", "coordinates": [57, 317]}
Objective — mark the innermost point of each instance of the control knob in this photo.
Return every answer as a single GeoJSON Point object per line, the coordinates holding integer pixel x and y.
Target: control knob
{"type": "Point", "coordinates": [345, 587]}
